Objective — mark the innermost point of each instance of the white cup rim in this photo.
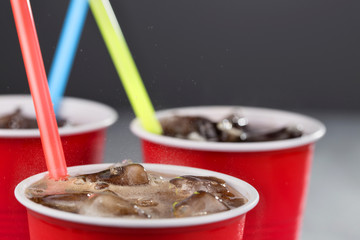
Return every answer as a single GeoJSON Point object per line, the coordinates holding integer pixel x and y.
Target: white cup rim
{"type": "Point", "coordinates": [313, 128]}
{"type": "Point", "coordinates": [105, 115]}
{"type": "Point", "coordinates": [244, 188]}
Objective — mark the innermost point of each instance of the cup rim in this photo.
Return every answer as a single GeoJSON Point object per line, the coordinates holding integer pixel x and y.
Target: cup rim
{"type": "Point", "coordinates": [318, 130]}
{"type": "Point", "coordinates": [243, 187]}
{"type": "Point", "coordinates": [110, 117]}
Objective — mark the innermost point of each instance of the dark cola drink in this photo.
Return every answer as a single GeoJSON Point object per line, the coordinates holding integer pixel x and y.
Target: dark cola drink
{"type": "Point", "coordinates": [233, 128]}
{"type": "Point", "coordinates": [17, 120]}
{"type": "Point", "coordinates": [128, 190]}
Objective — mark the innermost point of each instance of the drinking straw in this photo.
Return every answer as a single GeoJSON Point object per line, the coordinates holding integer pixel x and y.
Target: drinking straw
{"type": "Point", "coordinates": [39, 89]}
{"type": "Point", "coordinates": [124, 64]}
{"type": "Point", "coordinates": [66, 50]}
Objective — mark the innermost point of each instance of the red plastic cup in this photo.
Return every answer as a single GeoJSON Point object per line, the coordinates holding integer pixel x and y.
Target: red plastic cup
{"type": "Point", "coordinates": [22, 155]}
{"type": "Point", "coordinates": [47, 223]}
{"type": "Point", "coordinates": [279, 170]}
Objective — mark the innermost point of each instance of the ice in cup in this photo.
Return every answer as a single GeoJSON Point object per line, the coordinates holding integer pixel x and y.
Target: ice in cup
{"type": "Point", "coordinates": [129, 190]}
{"type": "Point", "coordinates": [17, 120]}
{"type": "Point", "coordinates": [279, 170]}
{"type": "Point", "coordinates": [234, 127]}
{"type": "Point", "coordinates": [49, 223]}
{"type": "Point", "coordinates": [22, 155]}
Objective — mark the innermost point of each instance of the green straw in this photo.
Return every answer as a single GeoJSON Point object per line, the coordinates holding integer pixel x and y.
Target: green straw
{"type": "Point", "coordinates": [124, 64]}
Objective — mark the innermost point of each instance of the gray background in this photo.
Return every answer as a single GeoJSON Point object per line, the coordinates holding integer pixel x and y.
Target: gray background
{"type": "Point", "coordinates": [300, 55]}
{"type": "Point", "coordinates": [275, 53]}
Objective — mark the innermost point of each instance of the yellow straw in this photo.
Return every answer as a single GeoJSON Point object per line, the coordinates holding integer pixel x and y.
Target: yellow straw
{"type": "Point", "coordinates": [124, 64]}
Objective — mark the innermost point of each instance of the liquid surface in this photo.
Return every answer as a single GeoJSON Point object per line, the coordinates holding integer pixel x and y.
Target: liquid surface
{"type": "Point", "coordinates": [128, 190]}
{"type": "Point", "coordinates": [233, 128]}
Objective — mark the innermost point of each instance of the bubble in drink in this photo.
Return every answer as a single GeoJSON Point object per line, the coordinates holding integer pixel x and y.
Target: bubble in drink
{"type": "Point", "coordinates": [128, 190]}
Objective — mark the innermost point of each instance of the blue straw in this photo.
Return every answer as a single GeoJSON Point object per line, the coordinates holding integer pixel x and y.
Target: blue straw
{"type": "Point", "coordinates": [66, 50]}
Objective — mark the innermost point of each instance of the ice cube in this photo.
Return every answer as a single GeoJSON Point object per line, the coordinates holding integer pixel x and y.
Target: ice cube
{"type": "Point", "coordinates": [195, 128]}
{"type": "Point", "coordinates": [198, 204]}
{"type": "Point", "coordinates": [101, 186]}
{"type": "Point", "coordinates": [128, 175]}
{"type": "Point", "coordinates": [233, 128]}
{"type": "Point", "coordinates": [234, 202]}
{"type": "Point", "coordinates": [177, 126]}
{"type": "Point", "coordinates": [69, 202]}
{"type": "Point", "coordinates": [187, 185]}
{"type": "Point", "coordinates": [107, 204]}
{"type": "Point", "coordinates": [16, 120]}
{"type": "Point", "coordinates": [207, 129]}
{"type": "Point", "coordinates": [278, 134]}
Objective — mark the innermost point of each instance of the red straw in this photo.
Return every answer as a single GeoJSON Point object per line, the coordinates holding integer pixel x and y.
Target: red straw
{"type": "Point", "coordinates": [39, 88]}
